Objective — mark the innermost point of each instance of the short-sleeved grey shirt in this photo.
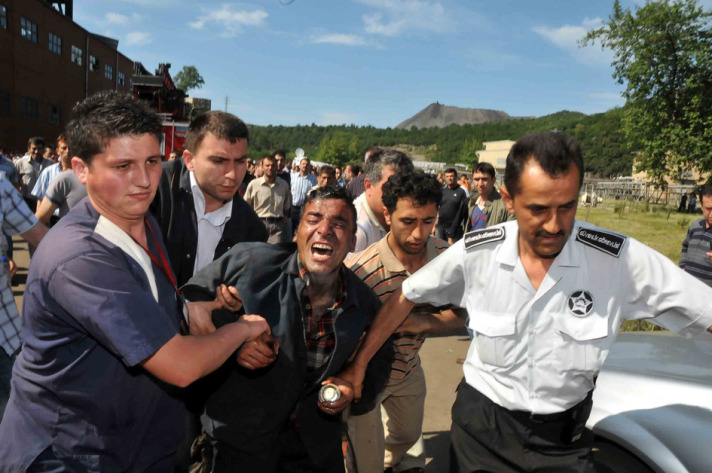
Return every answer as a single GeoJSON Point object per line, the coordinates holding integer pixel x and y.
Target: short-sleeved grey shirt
{"type": "Point", "coordinates": [65, 191]}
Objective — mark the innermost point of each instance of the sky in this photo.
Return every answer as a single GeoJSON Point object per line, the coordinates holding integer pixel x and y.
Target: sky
{"type": "Point", "coordinates": [370, 62]}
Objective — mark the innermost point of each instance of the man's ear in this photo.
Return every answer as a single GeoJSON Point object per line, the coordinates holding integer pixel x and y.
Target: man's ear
{"type": "Point", "coordinates": [387, 215]}
{"type": "Point", "coordinates": [80, 168]}
{"type": "Point", "coordinates": [188, 159]}
{"type": "Point", "coordinates": [508, 200]}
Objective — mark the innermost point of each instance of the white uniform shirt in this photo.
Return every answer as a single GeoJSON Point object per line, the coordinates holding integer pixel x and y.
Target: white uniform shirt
{"type": "Point", "coordinates": [539, 351]}
{"type": "Point", "coordinates": [368, 228]}
{"type": "Point", "coordinates": [210, 226]}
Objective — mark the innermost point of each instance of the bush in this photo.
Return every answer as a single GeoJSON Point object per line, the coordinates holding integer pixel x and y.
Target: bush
{"type": "Point", "coordinates": [684, 222]}
{"type": "Point", "coordinates": [619, 208]}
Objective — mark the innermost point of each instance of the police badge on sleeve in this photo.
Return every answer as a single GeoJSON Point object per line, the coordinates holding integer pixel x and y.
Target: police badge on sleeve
{"type": "Point", "coordinates": [480, 237]}
{"type": "Point", "coordinates": [606, 242]}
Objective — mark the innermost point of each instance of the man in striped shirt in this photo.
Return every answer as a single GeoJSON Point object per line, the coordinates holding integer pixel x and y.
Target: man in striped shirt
{"type": "Point", "coordinates": [696, 257]}
{"type": "Point", "coordinates": [410, 201]}
{"type": "Point", "coordinates": [300, 183]}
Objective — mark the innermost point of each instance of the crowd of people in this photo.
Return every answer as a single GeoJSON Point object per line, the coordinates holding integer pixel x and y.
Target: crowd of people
{"type": "Point", "coordinates": [211, 313]}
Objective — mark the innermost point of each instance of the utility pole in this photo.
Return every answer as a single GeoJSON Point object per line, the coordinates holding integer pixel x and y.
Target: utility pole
{"type": "Point", "coordinates": [226, 104]}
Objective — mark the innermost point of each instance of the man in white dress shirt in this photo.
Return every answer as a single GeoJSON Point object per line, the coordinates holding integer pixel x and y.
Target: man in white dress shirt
{"type": "Point", "coordinates": [546, 296]}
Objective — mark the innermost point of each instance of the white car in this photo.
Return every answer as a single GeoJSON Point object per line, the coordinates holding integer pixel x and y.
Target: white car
{"type": "Point", "coordinates": [652, 407]}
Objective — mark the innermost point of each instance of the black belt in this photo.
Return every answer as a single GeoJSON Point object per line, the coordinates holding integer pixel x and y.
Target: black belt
{"type": "Point", "coordinates": [272, 219]}
{"type": "Point", "coordinates": [556, 416]}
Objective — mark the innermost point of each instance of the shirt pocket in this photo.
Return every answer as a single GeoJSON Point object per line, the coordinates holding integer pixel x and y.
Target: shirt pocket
{"type": "Point", "coordinates": [494, 337]}
{"type": "Point", "coordinates": [582, 341]}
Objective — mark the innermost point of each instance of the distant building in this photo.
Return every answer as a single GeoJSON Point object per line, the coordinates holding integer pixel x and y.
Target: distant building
{"type": "Point", "coordinates": [495, 153]}
{"type": "Point", "coordinates": [47, 64]}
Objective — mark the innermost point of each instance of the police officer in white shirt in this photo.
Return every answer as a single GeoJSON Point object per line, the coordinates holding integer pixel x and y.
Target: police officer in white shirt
{"type": "Point", "coordinates": [546, 296]}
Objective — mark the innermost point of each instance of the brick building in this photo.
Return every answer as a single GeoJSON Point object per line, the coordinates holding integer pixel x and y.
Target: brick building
{"type": "Point", "coordinates": [47, 64]}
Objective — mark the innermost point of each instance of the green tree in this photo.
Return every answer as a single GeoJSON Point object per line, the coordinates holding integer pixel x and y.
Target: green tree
{"type": "Point", "coordinates": [663, 55]}
{"type": "Point", "coordinates": [188, 78]}
{"type": "Point", "coordinates": [468, 152]}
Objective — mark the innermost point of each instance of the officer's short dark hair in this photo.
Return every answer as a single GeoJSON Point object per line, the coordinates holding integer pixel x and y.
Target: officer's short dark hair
{"type": "Point", "coordinates": [415, 185]}
{"type": "Point", "coordinates": [331, 192]}
{"type": "Point", "coordinates": [705, 191]}
{"type": "Point", "coordinates": [451, 170]}
{"type": "Point", "coordinates": [399, 161]}
{"type": "Point", "coordinates": [355, 168]}
{"type": "Point", "coordinates": [104, 116]}
{"type": "Point", "coordinates": [555, 152]}
{"type": "Point", "coordinates": [280, 152]}
{"type": "Point", "coordinates": [35, 140]}
{"type": "Point", "coordinates": [484, 168]}
{"type": "Point", "coordinates": [221, 124]}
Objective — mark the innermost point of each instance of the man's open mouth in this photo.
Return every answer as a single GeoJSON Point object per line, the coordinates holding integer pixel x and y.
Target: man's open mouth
{"type": "Point", "coordinates": [321, 250]}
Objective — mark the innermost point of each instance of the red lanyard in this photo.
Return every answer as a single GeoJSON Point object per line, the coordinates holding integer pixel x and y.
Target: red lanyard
{"type": "Point", "coordinates": [163, 263]}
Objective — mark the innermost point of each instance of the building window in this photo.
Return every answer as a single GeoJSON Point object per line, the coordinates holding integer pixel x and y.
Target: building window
{"type": "Point", "coordinates": [55, 44]}
{"type": "Point", "coordinates": [93, 63]}
{"type": "Point", "coordinates": [122, 79]}
{"type": "Point", "coordinates": [29, 108]}
{"type": "Point", "coordinates": [5, 107]}
{"type": "Point", "coordinates": [108, 71]}
{"type": "Point", "coordinates": [3, 17]}
{"type": "Point", "coordinates": [28, 29]}
{"type": "Point", "coordinates": [77, 54]}
{"type": "Point", "coordinates": [55, 114]}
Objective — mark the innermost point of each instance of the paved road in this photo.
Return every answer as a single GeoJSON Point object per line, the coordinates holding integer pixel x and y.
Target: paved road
{"type": "Point", "coordinates": [439, 356]}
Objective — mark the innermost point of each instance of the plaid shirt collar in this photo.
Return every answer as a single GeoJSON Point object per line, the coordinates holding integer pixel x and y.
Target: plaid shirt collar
{"type": "Point", "coordinates": [320, 336]}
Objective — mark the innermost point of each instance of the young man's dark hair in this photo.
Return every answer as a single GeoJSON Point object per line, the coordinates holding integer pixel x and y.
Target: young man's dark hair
{"type": "Point", "coordinates": [331, 192]}
{"type": "Point", "coordinates": [220, 124]}
{"type": "Point", "coordinates": [554, 151]}
{"type": "Point", "coordinates": [280, 152]}
{"type": "Point", "coordinates": [705, 191]}
{"type": "Point", "coordinates": [395, 159]}
{"type": "Point", "coordinates": [416, 185]}
{"type": "Point", "coordinates": [35, 140]}
{"type": "Point", "coordinates": [269, 157]}
{"type": "Point", "coordinates": [451, 170]}
{"type": "Point", "coordinates": [107, 115]}
{"type": "Point", "coordinates": [328, 170]}
{"type": "Point", "coordinates": [485, 168]}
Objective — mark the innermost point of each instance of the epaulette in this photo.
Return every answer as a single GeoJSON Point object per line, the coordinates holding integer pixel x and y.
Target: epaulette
{"type": "Point", "coordinates": [609, 243]}
{"type": "Point", "coordinates": [480, 237]}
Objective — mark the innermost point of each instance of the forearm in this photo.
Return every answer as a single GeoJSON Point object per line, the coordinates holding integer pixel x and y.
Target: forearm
{"type": "Point", "coordinates": [447, 321]}
{"type": "Point", "coordinates": [184, 359]}
{"type": "Point", "coordinates": [388, 319]}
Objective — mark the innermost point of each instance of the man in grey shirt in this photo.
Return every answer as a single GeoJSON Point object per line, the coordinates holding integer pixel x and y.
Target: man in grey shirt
{"type": "Point", "coordinates": [64, 192]}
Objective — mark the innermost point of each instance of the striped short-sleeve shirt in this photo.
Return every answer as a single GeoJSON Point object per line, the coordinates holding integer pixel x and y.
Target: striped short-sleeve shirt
{"type": "Point", "coordinates": [381, 270]}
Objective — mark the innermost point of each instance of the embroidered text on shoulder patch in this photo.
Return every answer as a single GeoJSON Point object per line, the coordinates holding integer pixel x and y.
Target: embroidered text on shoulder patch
{"type": "Point", "coordinates": [609, 243]}
{"type": "Point", "coordinates": [479, 237]}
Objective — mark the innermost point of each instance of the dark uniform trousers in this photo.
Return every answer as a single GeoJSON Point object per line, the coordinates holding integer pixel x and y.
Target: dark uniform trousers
{"type": "Point", "coordinates": [486, 437]}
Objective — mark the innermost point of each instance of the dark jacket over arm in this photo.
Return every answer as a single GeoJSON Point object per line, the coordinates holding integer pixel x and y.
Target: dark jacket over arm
{"type": "Point", "coordinates": [248, 408]}
{"type": "Point", "coordinates": [174, 209]}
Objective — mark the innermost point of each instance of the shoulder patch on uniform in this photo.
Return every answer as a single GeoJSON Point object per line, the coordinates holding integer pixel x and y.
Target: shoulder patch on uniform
{"type": "Point", "coordinates": [606, 242]}
{"type": "Point", "coordinates": [486, 235]}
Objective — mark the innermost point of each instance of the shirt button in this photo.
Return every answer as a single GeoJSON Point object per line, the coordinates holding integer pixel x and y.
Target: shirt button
{"type": "Point", "coordinates": [531, 364]}
{"type": "Point", "coordinates": [532, 395]}
{"type": "Point", "coordinates": [532, 331]}
{"type": "Point", "coordinates": [187, 256]}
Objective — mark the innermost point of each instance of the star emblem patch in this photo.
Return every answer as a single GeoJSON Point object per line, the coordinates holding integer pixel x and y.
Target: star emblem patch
{"type": "Point", "coordinates": [580, 303]}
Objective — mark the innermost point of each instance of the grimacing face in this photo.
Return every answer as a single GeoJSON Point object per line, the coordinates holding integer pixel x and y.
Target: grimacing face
{"type": "Point", "coordinates": [326, 234]}
{"type": "Point", "coordinates": [219, 167]}
{"type": "Point", "coordinates": [411, 224]}
{"type": "Point", "coordinates": [545, 208]}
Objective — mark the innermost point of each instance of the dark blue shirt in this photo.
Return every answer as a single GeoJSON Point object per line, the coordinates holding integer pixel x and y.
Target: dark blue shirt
{"type": "Point", "coordinates": [89, 319]}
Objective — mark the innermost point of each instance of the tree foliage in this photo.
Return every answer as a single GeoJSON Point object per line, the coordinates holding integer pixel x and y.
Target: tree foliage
{"type": "Point", "coordinates": [188, 78]}
{"type": "Point", "coordinates": [605, 150]}
{"type": "Point", "coordinates": [663, 55]}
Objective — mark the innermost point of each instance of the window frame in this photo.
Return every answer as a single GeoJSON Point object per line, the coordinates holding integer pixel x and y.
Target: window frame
{"type": "Point", "coordinates": [29, 104]}
{"type": "Point", "coordinates": [55, 43]}
{"type": "Point", "coordinates": [29, 30]}
{"type": "Point", "coordinates": [77, 55]}
{"type": "Point", "coordinates": [3, 17]}
{"type": "Point", "coordinates": [108, 71]}
{"type": "Point", "coordinates": [94, 63]}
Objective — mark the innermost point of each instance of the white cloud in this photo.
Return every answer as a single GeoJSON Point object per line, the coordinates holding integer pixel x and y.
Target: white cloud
{"type": "Point", "coordinates": [231, 19]}
{"type": "Point", "coordinates": [395, 17]}
{"type": "Point", "coordinates": [138, 38]}
{"type": "Point", "coordinates": [121, 20]}
{"type": "Point", "coordinates": [567, 38]}
{"type": "Point", "coordinates": [337, 38]}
